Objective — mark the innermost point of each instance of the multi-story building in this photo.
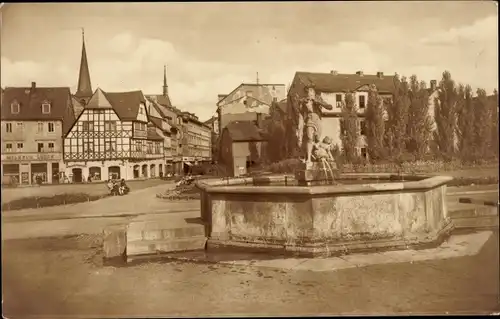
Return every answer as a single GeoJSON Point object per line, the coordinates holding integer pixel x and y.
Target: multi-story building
{"type": "Point", "coordinates": [110, 139]}
{"type": "Point", "coordinates": [34, 121]}
{"type": "Point", "coordinates": [163, 128]}
{"type": "Point", "coordinates": [246, 101]}
{"type": "Point", "coordinates": [170, 114]}
{"type": "Point", "coordinates": [196, 141]}
{"type": "Point", "coordinates": [333, 88]}
{"type": "Point", "coordinates": [213, 123]}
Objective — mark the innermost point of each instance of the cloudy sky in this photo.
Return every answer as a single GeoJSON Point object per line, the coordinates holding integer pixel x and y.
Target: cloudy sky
{"type": "Point", "coordinates": [210, 48]}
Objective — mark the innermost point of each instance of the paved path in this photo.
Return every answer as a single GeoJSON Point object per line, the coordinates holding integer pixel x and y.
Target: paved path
{"type": "Point", "coordinates": [54, 278]}
{"type": "Point", "coordinates": [91, 217]}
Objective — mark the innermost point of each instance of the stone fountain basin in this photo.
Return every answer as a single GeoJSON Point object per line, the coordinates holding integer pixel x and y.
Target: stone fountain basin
{"type": "Point", "coordinates": [396, 212]}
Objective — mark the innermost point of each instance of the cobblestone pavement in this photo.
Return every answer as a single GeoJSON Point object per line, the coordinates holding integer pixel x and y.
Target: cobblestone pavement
{"type": "Point", "coordinates": [64, 277]}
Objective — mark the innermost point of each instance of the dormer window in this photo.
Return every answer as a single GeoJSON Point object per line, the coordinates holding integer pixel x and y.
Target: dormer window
{"type": "Point", "coordinates": [46, 108]}
{"type": "Point", "coordinates": [15, 107]}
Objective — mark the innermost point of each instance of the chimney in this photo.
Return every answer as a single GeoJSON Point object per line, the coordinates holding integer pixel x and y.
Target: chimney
{"type": "Point", "coordinates": [433, 85]}
{"type": "Point", "coordinates": [334, 72]}
{"type": "Point", "coordinates": [380, 75]}
{"type": "Point", "coordinates": [33, 86]}
{"type": "Point", "coordinates": [360, 73]}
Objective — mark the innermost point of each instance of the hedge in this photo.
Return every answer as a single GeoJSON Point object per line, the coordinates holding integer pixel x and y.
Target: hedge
{"type": "Point", "coordinates": [56, 200]}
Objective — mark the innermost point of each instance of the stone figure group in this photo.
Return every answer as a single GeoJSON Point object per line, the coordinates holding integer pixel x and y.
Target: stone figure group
{"type": "Point", "coordinates": [310, 116]}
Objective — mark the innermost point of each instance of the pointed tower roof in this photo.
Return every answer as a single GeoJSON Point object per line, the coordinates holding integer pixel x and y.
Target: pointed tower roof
{"type": "Point", "coordinates": [165, 86]}
{"type": "Point", "coordinates": [84, 87]}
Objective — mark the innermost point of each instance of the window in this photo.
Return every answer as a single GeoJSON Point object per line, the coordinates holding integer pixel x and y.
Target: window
{"type": "Point", "coordinates": [20, 126]}
{"type": "Point", "coordinates": [88, 126]}
{"type": "Point", "coordinates": [141, 111]}
{"type": "Point", "coordinates": [51, 126]}
{"type": "Point", "coordinates": [8, 127]}
{"type": "Point", "coordinates": [110, 126]}
{"type": "Point", "coordinates": [8, 147]}
{"type": "Point", "coordinates": [338, 100]}
{"type": "Point", "coordinates": [362, 101]}
{"type": "Point", "coordinates": [138, 146]}
{"type": "Point", "coordinates": [88, 146]}
{"type": "Point", "coordinates": [111, 146]}
{"type": "Point", "coordinates": [362, 125]}
{"type": "Point", "coordinates": [157, 148]}
{"type": "Point", "coordinates": [46, 108]}
{"type": "Point", "coordinates": [40, 147]}
{"type": "Point", "coordinates": [15, 108]}
{"type": "Point", "coordinates": [150, 147]}
{"type": "Point", "coordinates": [20, 146]}
{"type": "Point", "coordinates": [51, 147]}
{"type": "Point", "coordinates": [40, 128]}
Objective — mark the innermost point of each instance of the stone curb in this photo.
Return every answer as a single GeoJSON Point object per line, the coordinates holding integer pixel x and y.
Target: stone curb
{"type": "Point", "coordinates": [468, 200]}
{"type": "Point", "coordinates": [460, 245]}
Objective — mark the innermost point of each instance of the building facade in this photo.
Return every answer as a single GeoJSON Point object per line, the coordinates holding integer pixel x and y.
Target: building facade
{"type": "Point", "coordinates": [333, 88]}
{"type": "Point", "coordinates": [243, 145]}
{"type": "Point", "coordinates": [34, 121]}
{"type": "Point", "coordinates": [246, 101]}
{"type": "Point", "coordinates": [196, 140]}
{"type": "Point", "coordinates": [110, 139]}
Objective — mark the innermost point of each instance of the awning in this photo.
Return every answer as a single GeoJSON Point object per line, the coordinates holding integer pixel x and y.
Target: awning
{"type": "Point", "coordinates": [188, 163]}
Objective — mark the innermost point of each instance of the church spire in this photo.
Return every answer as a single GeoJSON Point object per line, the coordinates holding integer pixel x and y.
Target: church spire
{"type": "Point", "coordinates": [84, 87]}
{"type": "Point", "coordinates": [165, 86]}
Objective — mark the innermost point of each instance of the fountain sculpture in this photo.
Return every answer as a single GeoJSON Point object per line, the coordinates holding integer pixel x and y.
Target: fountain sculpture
{"type": "Point", "coordinates": [317, 217]}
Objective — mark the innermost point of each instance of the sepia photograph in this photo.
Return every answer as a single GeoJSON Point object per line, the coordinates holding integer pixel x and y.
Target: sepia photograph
{"type": "Point", "coordinates": [249, 159]}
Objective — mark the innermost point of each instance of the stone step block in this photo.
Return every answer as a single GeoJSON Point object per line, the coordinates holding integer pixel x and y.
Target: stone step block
{"type": "Point", "coordinates": [476, 222]}
{"type": "Point", "coordinates": [138, 234]}
{"type": "Point", "coordinates": [149, 247]}
{"type": "Point", "coordinates": [114, 241]}
{"type": "Point", "coordinates": [470, 210]}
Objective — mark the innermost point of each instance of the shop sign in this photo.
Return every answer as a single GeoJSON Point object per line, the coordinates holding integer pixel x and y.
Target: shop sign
{"type": "Point", "coordinates": [30, 157]}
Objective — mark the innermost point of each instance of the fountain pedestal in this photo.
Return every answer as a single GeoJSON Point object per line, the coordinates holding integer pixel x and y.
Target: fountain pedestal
{"type": "Point", "coordinates": [314, 173]}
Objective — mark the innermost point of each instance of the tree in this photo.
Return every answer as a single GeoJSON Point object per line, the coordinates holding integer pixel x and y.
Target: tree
{"type": "Point", "coordinates": [349, 134]}
{"type": "Point", "coordinates": [494, 118]}
{"type": "Point", "coordinates": [465, 124]}
{"type": "Point", "coordinates": [374, 121]}
{"type": "Point", "coordinates": [419, 127]}
{"type": "Point", "coordinates": [482, 125]}
{"type": "Point", "coordinates": [445, 117]}
{"type": "Point", "coordinates": [397, 114]}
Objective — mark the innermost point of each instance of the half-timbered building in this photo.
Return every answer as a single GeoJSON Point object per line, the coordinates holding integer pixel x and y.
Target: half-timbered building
{"type": "Point", "coordinates": [110, 139]}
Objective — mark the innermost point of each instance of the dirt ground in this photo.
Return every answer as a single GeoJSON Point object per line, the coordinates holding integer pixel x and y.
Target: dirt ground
{"type": "Point", "coordinates": [49, 277]}
{"type": "Point", "coordinates": [9, 194]}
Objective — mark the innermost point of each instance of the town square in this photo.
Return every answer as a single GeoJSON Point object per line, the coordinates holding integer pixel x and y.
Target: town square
{"type": "Point", "coordinates": [249, 159]}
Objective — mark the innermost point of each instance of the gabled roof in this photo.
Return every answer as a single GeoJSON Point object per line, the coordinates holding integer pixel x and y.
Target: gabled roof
{"type": "Point", "coordinates": [263, 92]}
{"type": "Point", "coordinates": [77, 106]}
{"type": "Point", "coordinates": [98, 101]}
{"type": "Point", "coordinates": [331, 82]}
{"type": "Point", "coordinates": [31, 100]}
{"type": "Point", "coordinates": [245, 131]}
{"type": "Point", "coordinates": [153, 135]}
{"type": "Point", "coordinates": [160, 99]}
{"type": "Point", "coordinates": [126, 104]}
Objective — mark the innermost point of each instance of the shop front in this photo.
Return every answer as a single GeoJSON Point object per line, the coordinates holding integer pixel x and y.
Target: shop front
{"type": "Point", "coordinates": [31, 168]}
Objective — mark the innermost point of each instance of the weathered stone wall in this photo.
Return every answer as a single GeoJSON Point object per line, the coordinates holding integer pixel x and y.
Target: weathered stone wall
{"type": "Point", "coordinates": [295, 219]}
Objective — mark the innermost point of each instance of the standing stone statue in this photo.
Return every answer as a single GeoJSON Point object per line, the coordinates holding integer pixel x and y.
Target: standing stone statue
{"type": "Point", "coordinates": [310, 112]}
